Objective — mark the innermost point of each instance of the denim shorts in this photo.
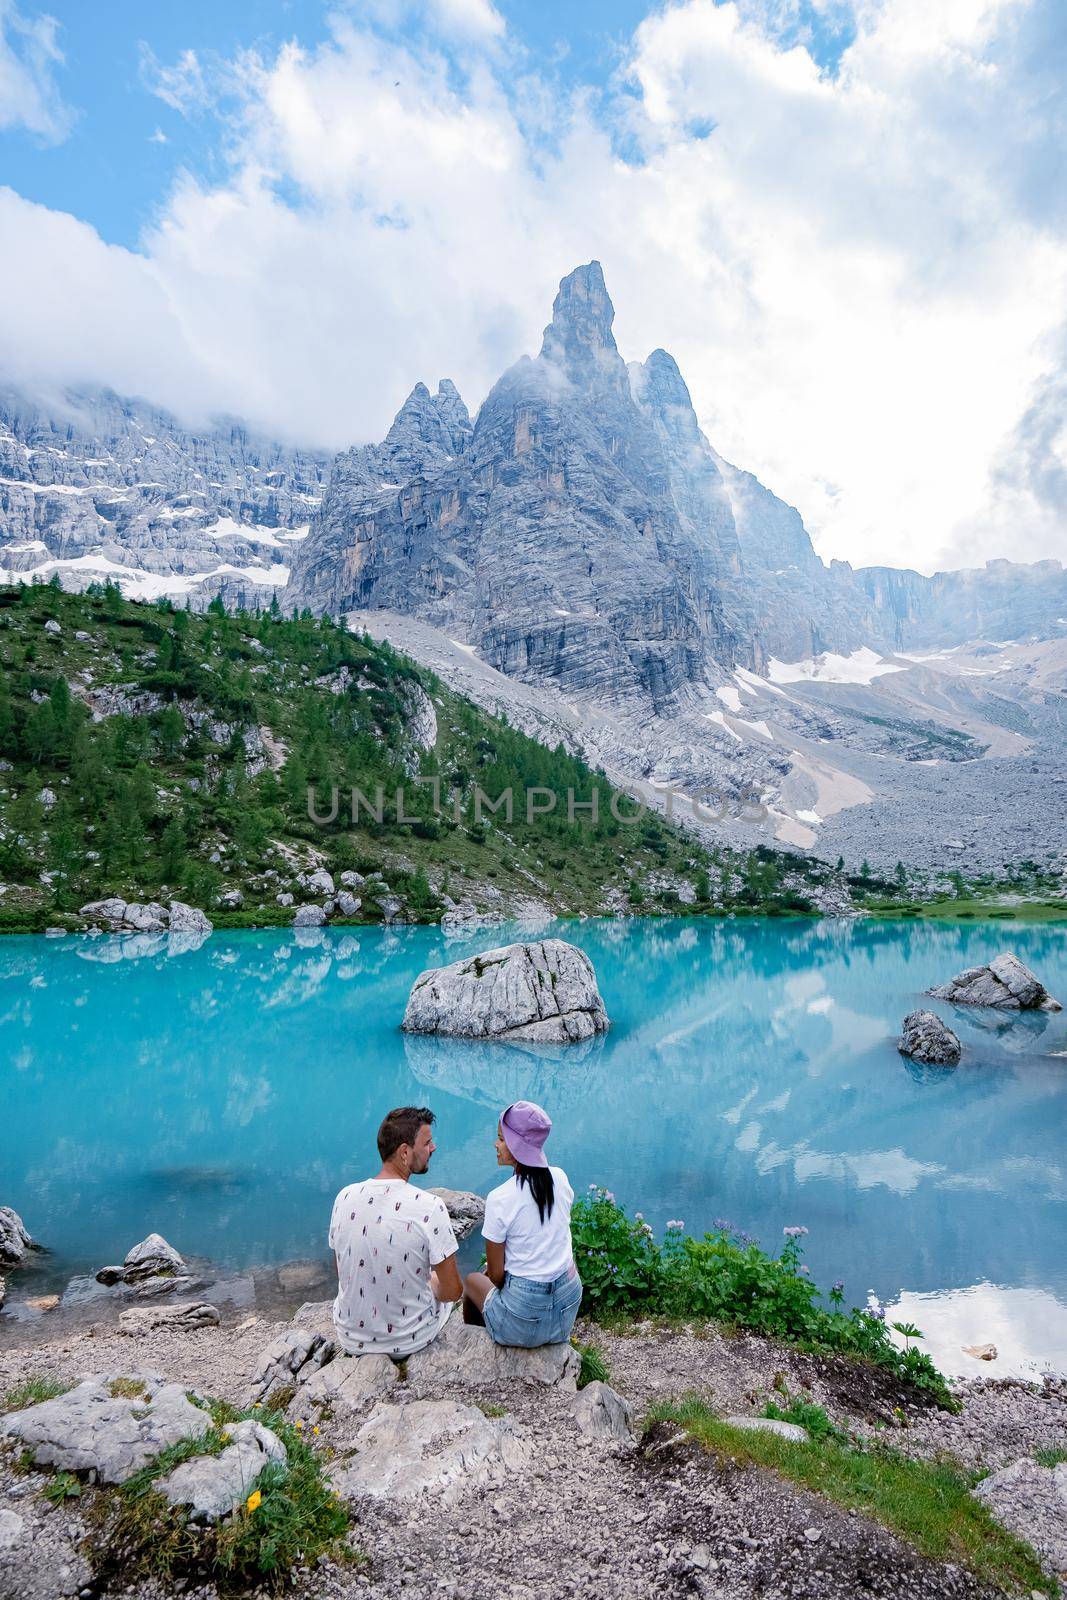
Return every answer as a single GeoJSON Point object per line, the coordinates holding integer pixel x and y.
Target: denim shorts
{"type": "Point", "coordinates": [528, 1314]}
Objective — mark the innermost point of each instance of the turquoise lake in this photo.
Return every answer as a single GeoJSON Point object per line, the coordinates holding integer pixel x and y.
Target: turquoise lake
{"type": "Point", "coordinates": [221, 1095]}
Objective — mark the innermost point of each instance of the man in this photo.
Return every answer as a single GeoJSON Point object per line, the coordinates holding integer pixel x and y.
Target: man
{"type": "Point", "coordinates": [396, 1252]}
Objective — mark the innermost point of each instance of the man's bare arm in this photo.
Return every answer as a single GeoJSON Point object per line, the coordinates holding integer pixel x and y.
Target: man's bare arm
{"type": "Point", "coordinates": [446, 1281]}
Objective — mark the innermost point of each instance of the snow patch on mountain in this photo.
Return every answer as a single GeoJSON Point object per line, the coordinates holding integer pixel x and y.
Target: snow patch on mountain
{"type": "Point", "coordinates": [860, 666]}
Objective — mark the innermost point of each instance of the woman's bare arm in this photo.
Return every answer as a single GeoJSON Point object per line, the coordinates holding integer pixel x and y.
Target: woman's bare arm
{"type": "Point", "coordinates": [494, 1263]}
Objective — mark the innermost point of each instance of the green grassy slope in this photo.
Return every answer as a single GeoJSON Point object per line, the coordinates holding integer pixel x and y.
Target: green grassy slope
{"type": "Point", "coordinates": [152, 753]}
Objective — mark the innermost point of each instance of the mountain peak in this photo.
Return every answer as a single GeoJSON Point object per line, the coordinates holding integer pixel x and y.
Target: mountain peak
{"type": "Point", "coordinates": [579, 337]}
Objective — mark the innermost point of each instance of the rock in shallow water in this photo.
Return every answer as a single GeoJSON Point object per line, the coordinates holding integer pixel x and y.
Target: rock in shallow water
{"type": "Point", "coordinates": [545, 992]}
{"type": "Point", "coordinates": [14, 1240]}
{"type": "Point", "coordinates": [1005, 983]}
{"type": "Point", "coordinates": [925, 1037]}
{"type": "Point", "coordinates": [466, 1211]}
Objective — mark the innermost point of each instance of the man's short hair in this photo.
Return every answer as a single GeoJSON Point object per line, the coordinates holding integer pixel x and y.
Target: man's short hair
{"type": "Point", "coordinates": [402, 1127]}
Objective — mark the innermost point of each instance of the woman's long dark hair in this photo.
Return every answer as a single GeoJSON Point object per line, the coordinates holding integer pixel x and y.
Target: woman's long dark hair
{"type": "Point", "coordinates": [541, 1187]}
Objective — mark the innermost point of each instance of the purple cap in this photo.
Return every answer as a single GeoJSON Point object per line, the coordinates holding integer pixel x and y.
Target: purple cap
{"type": "Point", "coordinates": [525, 1128]}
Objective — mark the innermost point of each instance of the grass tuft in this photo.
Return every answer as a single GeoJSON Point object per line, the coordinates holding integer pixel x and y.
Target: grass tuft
{"type": "Point", "coordinates": [927, 1503]}
{"type": "Point", "coordinates": [1055, 1457]}
{"type": "Point", "coordinates": [33, 1393]}
{"type": "Point", "coordinates": [126, 1389]}
{"type": "Point", "coordinates": [594, 1367]}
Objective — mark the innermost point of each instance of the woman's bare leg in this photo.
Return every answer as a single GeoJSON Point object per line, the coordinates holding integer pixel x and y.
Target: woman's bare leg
{"type": "Point", "coordinates": [476, 1285]}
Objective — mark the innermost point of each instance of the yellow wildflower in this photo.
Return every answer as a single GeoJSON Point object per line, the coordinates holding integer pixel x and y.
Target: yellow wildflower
{"type": "Point", "coordinates": [254, 1501]}
{"type": "Point", "coordinates": [315, 1428]}
{"type": "Point", "coordinates": [298, 1424]}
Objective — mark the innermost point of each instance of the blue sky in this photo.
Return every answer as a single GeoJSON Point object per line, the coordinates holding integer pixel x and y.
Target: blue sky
{"type": "Point", "coordinates": [114, 170]}
{"type": "Point", "coordinates": [845, 218]}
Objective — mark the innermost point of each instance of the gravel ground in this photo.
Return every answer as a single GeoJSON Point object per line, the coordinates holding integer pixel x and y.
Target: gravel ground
{"type": "Point", "coordinates": [660, 1517]}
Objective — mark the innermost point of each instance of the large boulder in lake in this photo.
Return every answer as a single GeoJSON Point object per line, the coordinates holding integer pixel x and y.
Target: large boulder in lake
{"type": "Point", "coordinates": [1004, 983]}
{"type": "Point", "coordinates": [924, 1037]}
{"type": "Point", "coordinates": [546, 992]}
{"type": "Point", "coordinates": [14, 1239]}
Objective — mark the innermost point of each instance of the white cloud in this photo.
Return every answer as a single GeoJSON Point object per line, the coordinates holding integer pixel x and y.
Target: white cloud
{"type": "Point", "coordinates": [29, 55]}
{"type": "Point", "coordinates": [861, 274]}
{"type": "Point", "coordinates": [182, 86]}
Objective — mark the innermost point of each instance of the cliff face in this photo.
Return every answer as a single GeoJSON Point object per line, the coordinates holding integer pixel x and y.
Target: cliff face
{"type": "Point", "coordinates": [549, 537]}
{"type": "Point", "coordinates": [95, 486]}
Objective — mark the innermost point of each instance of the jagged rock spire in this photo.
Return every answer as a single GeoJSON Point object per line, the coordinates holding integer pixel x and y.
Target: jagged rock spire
{"type": "Point", "coordinates": [579, 338]}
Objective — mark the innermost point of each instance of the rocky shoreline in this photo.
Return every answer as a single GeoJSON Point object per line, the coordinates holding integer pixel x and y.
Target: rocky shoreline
{"type": "Point", "coordinates": [583, 1502]}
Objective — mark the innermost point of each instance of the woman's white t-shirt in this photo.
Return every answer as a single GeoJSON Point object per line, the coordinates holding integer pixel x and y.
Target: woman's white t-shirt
{"type": "Point", "coordinates": [532, 1248]}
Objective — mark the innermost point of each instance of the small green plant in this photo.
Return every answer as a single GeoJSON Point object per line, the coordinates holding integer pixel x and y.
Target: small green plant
{"type": "Point", "coordinates": [33, 1392]}
{"type": "Point", "coordinates": [64, 1486]}
{"type": "Point", "coordinates": [126, 1388]}
{"type": "Point", "coordinates": [488, 1409]}
{"type": "Point", "coordinates": [1051, 1458]}
{"type": "Point", "coordinates": [803, 1411]}
{"type": "Point", "coordinates": [594, 1368]}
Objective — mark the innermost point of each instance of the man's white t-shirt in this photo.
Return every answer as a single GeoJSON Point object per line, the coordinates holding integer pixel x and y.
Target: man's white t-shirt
{"type": "Point", "coordinates": [386, 1235]}
{"type": "Point", "coordinates": [532, 1248]}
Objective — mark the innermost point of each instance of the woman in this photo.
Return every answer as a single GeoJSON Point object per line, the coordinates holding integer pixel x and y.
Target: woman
{"type": "Point", "coordinates": [530, 1292]}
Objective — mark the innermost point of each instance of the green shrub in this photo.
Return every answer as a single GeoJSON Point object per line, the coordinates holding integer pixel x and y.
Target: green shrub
{"type": "Point", "coordinates": [726, 1276]}
{"type": "Point", "coordinates": [32, 1392]}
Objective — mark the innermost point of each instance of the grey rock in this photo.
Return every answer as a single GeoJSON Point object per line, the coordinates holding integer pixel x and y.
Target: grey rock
{"type": "Point", "coordinates": [188, 919]}
{"type": "Point", "coordinates": [52, 626]}
{"type": "Point", "coordinates": [544, 992]}
{"type": "Point", "coordinates": [47, 798]}
{"type": "Point", "coordinates": [466, 1355]}
{"type": "Point", "coordinates": [12, 1527]}
{"type": "Point", "coordinates": [184, 1316]}
{"type": "Point", "coordinates": [309, 917]}
{"type": "Point", "coordinates": [352, 880]}
{"type": "Point", "coordinates": [784, 1430]}
{"type": "Point", "coordinates": [284, 898]}
{"type": "Point", "coordinates": [925, 1037]}
{"type": "Point", "coordinates": [15, 1241]}
{"type": "Point", "coordinates": [391, 907]}
{"type": "Point", "coordinates": [290, 1359]}
{"type": "Point", "coordinates": [3, 1290]}
{"type": "Point", "coordinates": [601, 1413]}
{"type": "Point", "coordinates": [151, 1258]}
{"type": "Point", "coordinates": [441, 1445]}
{"type": "Point", "coordinates": [112, 910]}
{"type": "Point", "coordinates": [348, 904]}
{"type": "Point", "coordinates": [466, 1210]}
{"type": "Point", "coordinates": [213, 1486]}
{"type": "Point", "coordinates": [1031, 1502]}
{"type": "Point", "coordinates": [90, 1430]}
{"type": "Point", "coordinates": [345, 1384]}
{"type": "Point", "coordinates": [1005, 984]}
{"type": "Point", "coordinates": [319, 881]}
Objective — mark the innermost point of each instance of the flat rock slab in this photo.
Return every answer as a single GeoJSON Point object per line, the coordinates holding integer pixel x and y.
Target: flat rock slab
{"type": "Point", "coordinates": [1031, 1502]}
{"type": "Point", "coordinates": [924, 1037]}
{"type": "Point", "coordinates": [466, 1211]}
{"type": "Point", "coordinates": [466, 1355]}
{"type": "Point", "coordinates": [601, 1413]}
{"type": "Point", "coordinates": [347, 1383]}
{"type": "Point", "coordinates": [1005, 984]}
{"type": "Point", "coordinates": [784, 1430]}
{"type": "Point", "coordinates": [213, 1486]}
{"type": "Point", "coordinates": [91, 1430]}
{"type": "Point", "coordinates": [546, 992]}
{"type": "Point", "coordinates": [187, 1315]}
{"type": "Point", "coordinates": [440, 1445]}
